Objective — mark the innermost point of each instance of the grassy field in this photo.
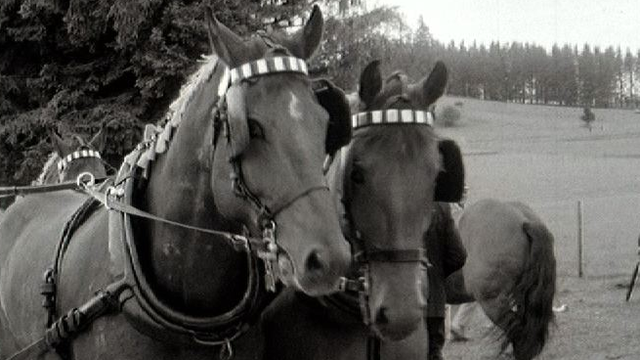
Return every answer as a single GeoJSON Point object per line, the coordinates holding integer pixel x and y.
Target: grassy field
{"type": "Point", "coordinates": [544, 156]}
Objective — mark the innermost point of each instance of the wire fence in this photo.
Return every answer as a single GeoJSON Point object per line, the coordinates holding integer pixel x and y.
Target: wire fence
{"type": "Point", "coordinates": [604, 230]}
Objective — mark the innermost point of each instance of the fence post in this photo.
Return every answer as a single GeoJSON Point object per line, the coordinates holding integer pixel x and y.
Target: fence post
{"type": "Point", "coordinates": [580, 239]}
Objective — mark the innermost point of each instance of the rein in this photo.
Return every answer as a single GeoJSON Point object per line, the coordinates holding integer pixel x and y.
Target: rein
{"type": "Point", "coordinates": [109, 200]}
{"type": "Point", "coordinates": [38, 189]}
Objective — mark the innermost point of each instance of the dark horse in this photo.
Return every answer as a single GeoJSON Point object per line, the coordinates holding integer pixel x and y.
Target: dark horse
{"type": "Point", "coordinates": [73, 156]}
{"type": "Point", "coordinates": [386, 180]}
{"type": "Point", "coordinates": [510, 271]}
{"type": "Point", "coordinates": [242, 148]}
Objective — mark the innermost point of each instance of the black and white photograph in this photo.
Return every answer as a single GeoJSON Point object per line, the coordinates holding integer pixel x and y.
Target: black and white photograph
{"type": "Point", "coordinates": [319, 180]}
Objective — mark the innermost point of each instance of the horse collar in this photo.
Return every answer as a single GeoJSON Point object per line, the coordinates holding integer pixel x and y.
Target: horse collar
{"type": "Point", "coordinates": [147, 313]}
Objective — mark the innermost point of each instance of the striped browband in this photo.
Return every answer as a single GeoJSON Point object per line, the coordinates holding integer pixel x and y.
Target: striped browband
{"type": "Point", "coordinates": [268, 66]}
{"type": "Point", "coordinates": [78, 154]}
{"type": "Point", "coordinates": [391, 116]}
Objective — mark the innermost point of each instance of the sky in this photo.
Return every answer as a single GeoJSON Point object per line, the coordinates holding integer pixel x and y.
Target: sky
{"type": "Point", "coordinates": [544, 22]}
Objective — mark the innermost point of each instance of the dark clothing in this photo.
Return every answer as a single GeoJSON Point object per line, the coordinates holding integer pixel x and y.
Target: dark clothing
{"type": "Point", "coordinates": [435, 329]}
{"type": "Point", "coordinates": [446, 254]}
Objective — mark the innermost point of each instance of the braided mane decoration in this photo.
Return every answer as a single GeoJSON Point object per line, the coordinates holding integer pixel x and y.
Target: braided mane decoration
{"type": "Point", "coordinates": [157, 138]}
{"type": "Point", "coordinates": [48, 169]}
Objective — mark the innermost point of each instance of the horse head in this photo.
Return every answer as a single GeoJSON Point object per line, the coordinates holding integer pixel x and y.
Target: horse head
{"type": "Point", "coordinates": [75, 156]}
{"type": "Point", "coordinates": [277, 134]}
{"type": "Point", "coordinates": [393, 171]}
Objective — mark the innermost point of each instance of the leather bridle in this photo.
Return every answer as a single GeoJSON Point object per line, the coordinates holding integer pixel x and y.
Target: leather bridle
{"type": "Point", "coordinates": [266, 215]}
{"type": "Point", "coordinates": [364, 256]}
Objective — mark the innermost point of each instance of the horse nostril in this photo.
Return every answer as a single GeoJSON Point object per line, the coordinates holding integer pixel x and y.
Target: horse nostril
{"type": "Point", "coordinates": [381, 317]}
{"type": "Point", "coordinates": [314, 262]}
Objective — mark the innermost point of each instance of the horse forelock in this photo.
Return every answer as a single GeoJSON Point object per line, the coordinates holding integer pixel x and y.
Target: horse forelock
{"type": "Point", "coordinates": [401, 144]}
{"type": "Point", "coordinates": [395, 84]}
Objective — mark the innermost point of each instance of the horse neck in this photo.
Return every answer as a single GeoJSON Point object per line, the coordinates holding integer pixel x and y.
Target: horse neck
{"type": "Point", "coordinates": [194, 271]}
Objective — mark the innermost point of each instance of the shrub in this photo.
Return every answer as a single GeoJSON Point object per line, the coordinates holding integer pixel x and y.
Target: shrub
{"type": "Point", "coordinates": [450, 116]}
{"type": "Point", "coordinates": [458, 103]}
{"type": "Point", "coordinates": [588, 115]}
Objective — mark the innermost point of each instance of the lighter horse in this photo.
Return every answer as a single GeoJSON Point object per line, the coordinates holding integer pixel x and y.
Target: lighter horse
{"type": "Point", "coordinates": [510, 271]}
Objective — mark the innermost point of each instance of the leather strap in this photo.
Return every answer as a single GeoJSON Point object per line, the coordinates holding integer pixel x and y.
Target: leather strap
{"type": "Point", "coordinates": [74, 322]}
{"type": "Point", "coordinates": [390, 256]}
{"type": "Point", "coordinates": [239, 242]}
{"type": "Point", "coordinates": [36, 189]}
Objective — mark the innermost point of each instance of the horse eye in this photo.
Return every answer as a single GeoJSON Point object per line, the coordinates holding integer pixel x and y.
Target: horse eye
{"type": "Point", "coordinates": [256, 131]}
{"type": "Point", "coordinates": [357, 175]}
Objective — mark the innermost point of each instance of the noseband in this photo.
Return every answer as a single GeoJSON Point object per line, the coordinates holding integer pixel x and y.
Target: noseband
{"type": "Point", "coordinates": [363, 256]}
{"type": "Point", "coordinates": [266, 216]}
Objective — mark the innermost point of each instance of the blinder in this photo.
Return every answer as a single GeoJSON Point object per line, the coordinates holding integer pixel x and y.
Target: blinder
{"type": "Point", "coordinates": [334, 101]}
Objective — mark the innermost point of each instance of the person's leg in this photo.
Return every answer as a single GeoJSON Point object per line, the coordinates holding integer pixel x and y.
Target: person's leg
{"type": "Point", "coordinates": [435, 327]}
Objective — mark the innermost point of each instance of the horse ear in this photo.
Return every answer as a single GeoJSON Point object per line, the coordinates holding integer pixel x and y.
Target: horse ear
{"type": "Point", "coordinates": [370, 83]}
{"type": "Point", "coordinates": [225, 43]}
{"type": "Point", "coordinates": [305, 42]}
{"type": "Point", "coordinates": [450, 180]}
{"type": "Point", "coordinates": [99, 140]}
{"type": "Point", "coordinates": [59, 145]}
{"type": "Point", "coordinates": [431, 88]}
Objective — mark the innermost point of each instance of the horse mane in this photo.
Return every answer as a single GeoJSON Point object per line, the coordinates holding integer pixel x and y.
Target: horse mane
{"type": "Point", "coordinates": [48, 169]}
{"type": "Point", "coordinates": [193, 85]}
{"type": "Point", "coordinates": [157, 138]}
{"type": "Point", "coordinates": [395, 84]}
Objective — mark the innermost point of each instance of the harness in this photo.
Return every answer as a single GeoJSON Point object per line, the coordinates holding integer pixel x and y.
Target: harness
{"type": "Point", "coordinates": [130, 293]}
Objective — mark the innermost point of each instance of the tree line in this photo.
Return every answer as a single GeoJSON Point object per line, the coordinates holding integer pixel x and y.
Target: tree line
{"type": "Point", "coordinates": [516, 72]}
{"type": "Point", "coordinates": [76, 65]}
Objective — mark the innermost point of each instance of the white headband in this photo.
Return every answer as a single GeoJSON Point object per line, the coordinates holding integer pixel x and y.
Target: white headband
{"type": "Point", "coordinates": [391, 116]}
{"type": "Point", "coordinates": [78, 154]}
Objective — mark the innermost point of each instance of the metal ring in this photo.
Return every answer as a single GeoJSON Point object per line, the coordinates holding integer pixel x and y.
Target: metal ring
{"type": "Point", "coordinates": [85, 179]}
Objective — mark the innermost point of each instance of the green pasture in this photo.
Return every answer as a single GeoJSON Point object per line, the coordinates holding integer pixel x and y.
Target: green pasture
{"type": "Point", "coordinates": [544, 156]}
